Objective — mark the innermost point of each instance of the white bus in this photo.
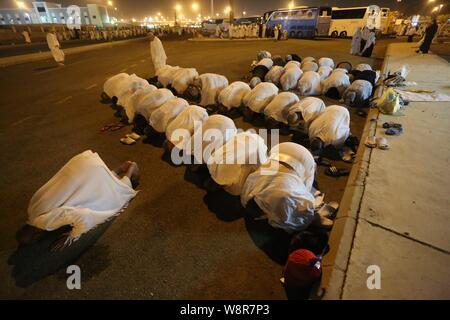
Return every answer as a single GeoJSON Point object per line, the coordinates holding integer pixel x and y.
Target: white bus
{"type": "Point", "coordinates": [344, 21]}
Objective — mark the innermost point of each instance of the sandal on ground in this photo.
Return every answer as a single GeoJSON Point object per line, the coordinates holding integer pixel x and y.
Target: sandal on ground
{"type": "Point", "coordinates": [128, 141]}
{"type": "Point", "coordinates": [371, 142]}
{"type": "Point", "coordinates": [382, 143]}
{"type": "Point", "coordinates": [347, 155]}
{"type": "Point", "coordinates": [388, 125]}
{"type": "Point", "coordinates": [117, 127]}
{"type": "Point", "coordinates": [394, 131]}
{"type": "Point", "coordinates": [322, 161]}
{"type": "Point", "coordinates": [133, 136]}
{"type": "Point", "coordinates": [335, 172]}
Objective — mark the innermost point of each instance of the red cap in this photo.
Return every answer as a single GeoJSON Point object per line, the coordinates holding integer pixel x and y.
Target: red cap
{"type": "Point", "coordinates": [302, 269]}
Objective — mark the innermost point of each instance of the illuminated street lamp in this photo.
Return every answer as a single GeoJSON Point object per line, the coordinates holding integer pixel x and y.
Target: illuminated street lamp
{"type": "Point", "coordinates": [244, 13]}
{"type": "Point", "coordinates": [291, 5]}
{"type": "Point", "coordinates": [110, 3]}
{"type": "Point", "coordinates": [194, 6]}
{"type": "Point", "coordinates": [177, 9]}
{"type": "Point", "coordinates": [21, 5]}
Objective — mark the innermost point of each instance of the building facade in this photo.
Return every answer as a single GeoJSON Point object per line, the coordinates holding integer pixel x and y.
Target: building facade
{"type": "Point", "coordinates": [43, 12]}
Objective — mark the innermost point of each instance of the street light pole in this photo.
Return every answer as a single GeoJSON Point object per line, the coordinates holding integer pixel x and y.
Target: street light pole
{"type": "Point", "coordinates": [231, 11]}
{"type": "Point", "coordinates": [212, 8]}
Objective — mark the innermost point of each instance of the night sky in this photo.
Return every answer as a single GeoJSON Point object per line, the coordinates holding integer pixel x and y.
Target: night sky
{"type": "Point", "coordinates": [141, 8]}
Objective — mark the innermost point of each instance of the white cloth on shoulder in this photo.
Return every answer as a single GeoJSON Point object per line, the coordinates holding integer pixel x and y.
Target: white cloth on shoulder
{"type": "Point", "coordinates": [166, 113]}
{"type": "Point", "coordinates": [128, 87]}
{"type": "Point", "coordinates": [260, 96]}
{"type": "Point", "coordinates": [309, 84]}
{"type": "Point", "coordinates": [363, 67]}
{"type": "Point", "coordinates": [325, 72]}
{"type": "Point", "coordinates": [332, 126]}
{"type": "Point", "coordinates": [131, 103]}
{"type": "Point", "coordinates": [234, 161]}
{"type": "Point", "coordinates": [274, 75]}
{"type": "Point", "coordinates": [338, 79]}
{"type": "Point", "coordinates": [111, 86]}
{"type": "Point", "coordinates": [324, 61]}
{"type": "Point", "coordinates": [309, 107]}
{"type": "Point", "coordinates": [284, 193]}
{"type": "Point", "coordinates": [213, 134]}
{"type": "Point", "coordinates": [152, 101]}
{"type": "Point", "coordinates": [83, 194]}
{"type": "Point", "coordinates": [358, 92]}
{"type": "Point", "coordinates": [183, 78]}
{"type": "Point", "coordinates": [290, 77]}
{"type": "Point", "coordinates": [180, 130]}
{"type": "Point", "coordinates": [292, 63]}
{"type": "Point", "coordinates": [309, 66]}
{"type": "Point", "coordinates": [166, 75]}
{"type": "Point", "coordinates": [212, 85]}
{"type": "Point", "coordinates": [267, 62]}
{"type": "Point", "coordinates": [158, 54]}
{"type": "Point", "coordinates": [278, 107]}
{"type": "Point", "coordinates": [233, 95]}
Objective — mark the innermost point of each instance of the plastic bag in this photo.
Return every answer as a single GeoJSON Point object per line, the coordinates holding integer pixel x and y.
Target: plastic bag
{"type": "Point", "coordinates": [389, 102]}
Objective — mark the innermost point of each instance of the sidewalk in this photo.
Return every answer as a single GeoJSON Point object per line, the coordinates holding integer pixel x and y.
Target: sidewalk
{"type": "Point", "coordinates": [395, 211]}
{"type": "Point", "coordinates": [32, 57]}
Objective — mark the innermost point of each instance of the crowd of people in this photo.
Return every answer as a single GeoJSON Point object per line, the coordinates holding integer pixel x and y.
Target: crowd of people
{"type": "Point", "coordinates": [182, 107]}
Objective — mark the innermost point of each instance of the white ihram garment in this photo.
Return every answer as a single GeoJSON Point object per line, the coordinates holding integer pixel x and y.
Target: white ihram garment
{"type": "Point", "coordinates": [309, 84]}
{"type": "Point", "coordinates": [278, 107]}
{"type": "Point", "coordinates": [212, 85]}
{"type": "Point", "coordinates": [260, 96]}
{"type": "Point", "coordinates": [166, 113]}
{"type": "Point", "coordinates": [135, 99]}
{"type": "Point", "coordinates": [309, 107]}
{"type": "Point", "coordinates": [158, 54]}
{"type": "Point", "coordinates": [53, 45]}
{"type": "Point", "coordinates": [152, 101]}
{"type": "Point", "coordinates": [332, 126]}
{"type": "Point", "coordinates": [233, 95]}
{"type": "Point", "coordinates": [83, 194]}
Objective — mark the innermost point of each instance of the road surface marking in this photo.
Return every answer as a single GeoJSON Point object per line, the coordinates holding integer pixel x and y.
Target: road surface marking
{"type": "Point", "coordinates": [90, 87]}
{"type": "Point", "coordinates": [20, 121]}
{"type": "Point", "coordinates": [64, 100]}
{"type": "Point", "coordinates": [123, 70]}
{"type": "Point", "coordinates": [133, 65]}
{"type": "Point", "coordinates": [143, 60]}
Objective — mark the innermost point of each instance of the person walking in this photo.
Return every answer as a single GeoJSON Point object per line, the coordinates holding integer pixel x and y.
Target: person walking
{"type": "Point", "coordinates": [430, 32]}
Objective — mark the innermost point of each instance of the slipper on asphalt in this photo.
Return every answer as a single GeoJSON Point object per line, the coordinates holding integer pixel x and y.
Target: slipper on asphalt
{"type": "Point", "coordinates": [133, 136]}
{"type": "Point", "coordinates": [107, 127]}
{"type": "Point", "coordinates": [382, 143]}
{"type": "Point", "coordinates": [388, 125]}
{"type": "Point", "coordinates": [394, 131]}
{"type": "Point", "coordinates": [117, 127]}
{"type": "Point", "coordinates": [371, 142]}
{"type": "Point", "coordinates": [128, 141]}
{"type": "Point", "coordinates": [335, 172]}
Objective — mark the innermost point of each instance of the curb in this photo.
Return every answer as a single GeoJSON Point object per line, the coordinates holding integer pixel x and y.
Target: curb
{"type": "Point", "coordinates": [335, 262]}
{"type": "Point", "coordinates": [33, 57]}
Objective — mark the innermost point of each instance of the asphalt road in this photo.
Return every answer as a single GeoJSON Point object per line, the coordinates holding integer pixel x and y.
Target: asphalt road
{"type": "Point", "coordinates": [174, 241]}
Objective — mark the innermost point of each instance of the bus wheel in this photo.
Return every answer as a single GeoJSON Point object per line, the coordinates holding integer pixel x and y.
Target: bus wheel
{"type": "Point", "coordinates": [299, 34]}
{"type": "Point", "coordinates": [343, 34]}
{"type": "Point", "coordinates": [292, 34]}
{"type": "Point", "coordinates": [334, 34]}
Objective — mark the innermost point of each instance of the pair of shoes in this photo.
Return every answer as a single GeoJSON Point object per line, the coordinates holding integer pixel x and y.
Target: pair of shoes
{"type": "Point", "coordinates": [335, 172]}
{"type": "Point", "coordinates": [130, 139]}
{"type": "Point", "coordinates": [380, 142]}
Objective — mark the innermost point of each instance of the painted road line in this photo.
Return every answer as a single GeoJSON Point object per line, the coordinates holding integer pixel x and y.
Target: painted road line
{"type": "Point", "coordinates": [21, 121]}
{"type": "Point", "coordinates": [133, 65]}
{"type": "Point", "coordinates": [64, 100]}
{"type": "Point", "coordinates": [123, 70]}
{"type": "Point", "coordinates": [90, 87]}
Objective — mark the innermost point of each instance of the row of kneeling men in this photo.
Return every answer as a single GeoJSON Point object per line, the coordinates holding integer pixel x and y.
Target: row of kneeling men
{"type": "Point", "coordinates": [312, 78]}
{"type": "Point", "coordinates": [279, 183]}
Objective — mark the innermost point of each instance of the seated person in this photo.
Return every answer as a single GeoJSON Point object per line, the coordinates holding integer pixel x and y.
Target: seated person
{"type": "Point", "coordinates": [358, 94]}
{"type": "Point", "coordinates": [335, 85]}
{"type": "Point", "coordinates": [330, 128]}
{"type": "Point", "coordinates": [309, 84]}
{"type": "Point", "coordinates": [180, 130]}
{"type": "Point", "coordinates": [282, 189]}
{"type": "Point", "coordinates": [231, 164]}
{"type": "Point", "coordinates": [276, 111]}
{"type": "Point", "coordinates": [231, 99]}
{"type": "Point", "coordinates": [257, 99]}
{"type": "Point", "coordinates": [83, 194]}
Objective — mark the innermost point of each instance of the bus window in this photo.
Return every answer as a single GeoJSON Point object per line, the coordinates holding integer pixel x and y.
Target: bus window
{"type": "Point", "coordinates": [279, 16]}
{"type": "Point", "coordinates": [348, 14]}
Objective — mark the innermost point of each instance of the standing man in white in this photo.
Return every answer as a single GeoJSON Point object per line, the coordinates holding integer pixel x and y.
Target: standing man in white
{"type": "Point", "coordinates": [53, 45]}
{"type": "Point", "coordinates": [157, 51]}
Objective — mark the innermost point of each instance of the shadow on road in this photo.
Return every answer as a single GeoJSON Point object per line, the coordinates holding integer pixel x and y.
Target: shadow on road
{"type": "Point", "coordinates": [35, 262]}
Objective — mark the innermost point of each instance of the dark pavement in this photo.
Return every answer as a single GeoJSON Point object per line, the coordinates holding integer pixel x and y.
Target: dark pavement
{"type": "Point", "coordinates": [174, 240]}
